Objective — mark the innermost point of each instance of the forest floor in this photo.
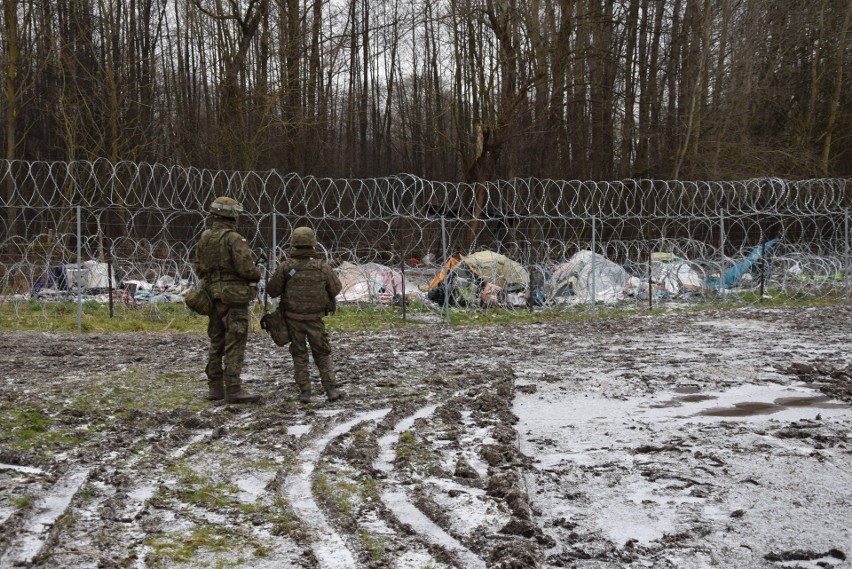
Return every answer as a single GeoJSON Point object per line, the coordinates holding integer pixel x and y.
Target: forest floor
{"type": "Point", "coordinates": [687, 439]}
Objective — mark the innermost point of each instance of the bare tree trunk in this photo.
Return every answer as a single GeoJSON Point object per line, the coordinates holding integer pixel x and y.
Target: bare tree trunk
{"type": "Point", "coordinates": [695, 62]}
{"type": "Point", "coordinates": [10, 14]}
{"type": "Point", "coordinates": [628, 130]}
{"type": "Point", "coordinates": [837, 93]}
{"type": "Point", "coordinates": [236, 154]}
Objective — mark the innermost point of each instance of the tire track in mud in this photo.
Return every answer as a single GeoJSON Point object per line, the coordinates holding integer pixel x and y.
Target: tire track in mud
{"type": "Point", "coordinates": [121, 503]}
{"type": "Point", "coordinates": [36, 528]}
{"type": "Point", "coordinates": [328, 546]}
{"type": "Point", "coordinates": [452, 477]}
{"type": "Point", "coordinates": [401, 505]}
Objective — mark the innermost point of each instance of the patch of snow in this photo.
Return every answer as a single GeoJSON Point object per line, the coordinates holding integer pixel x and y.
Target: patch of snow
{"type": "Point", "coordinates": [253, 486]}
{"type": "Point", "coordinates": [23, 469]}
{"type": "Point", "coordinates": [387, 451]}
{"type": "Point", "coordinates": [298, 430]}
{"type": "Point", "coordinates": [635, 467]}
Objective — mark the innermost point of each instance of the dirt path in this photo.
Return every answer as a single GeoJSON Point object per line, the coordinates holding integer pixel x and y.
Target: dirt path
{"type": "Point", "coordinates": [678, 440]}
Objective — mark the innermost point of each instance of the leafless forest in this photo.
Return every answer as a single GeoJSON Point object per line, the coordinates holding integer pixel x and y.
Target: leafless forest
{"type": "Point", "coordinates": [457, 90]}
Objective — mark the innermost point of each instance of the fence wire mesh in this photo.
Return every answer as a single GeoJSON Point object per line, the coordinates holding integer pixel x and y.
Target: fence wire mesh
{"type": "Point", "coordinates": [578, 243]}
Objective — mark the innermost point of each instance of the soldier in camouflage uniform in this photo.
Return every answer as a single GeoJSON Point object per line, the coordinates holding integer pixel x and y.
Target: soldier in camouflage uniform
{"type": "Point", "coordinates": [228, 272]}
{"type": "Point", "coordinates": [307, 287]}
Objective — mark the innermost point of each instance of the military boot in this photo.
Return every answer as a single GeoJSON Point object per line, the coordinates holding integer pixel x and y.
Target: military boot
{"type": "Point", "coordinates": [305, 396]}
{"type": "Point", "coordinates": [236, 394]}
{"type": "Point", "coordinates": [333, 394]}
{"type": "Point", "coordinates": [215, 390]}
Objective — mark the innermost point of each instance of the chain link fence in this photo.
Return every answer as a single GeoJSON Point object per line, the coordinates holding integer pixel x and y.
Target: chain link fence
{"type": "Point", "coordinates": [128, 230]}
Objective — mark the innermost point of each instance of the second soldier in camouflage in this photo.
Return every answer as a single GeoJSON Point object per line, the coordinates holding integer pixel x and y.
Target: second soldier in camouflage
{"type": "Point", "coordinates": [307, 287]}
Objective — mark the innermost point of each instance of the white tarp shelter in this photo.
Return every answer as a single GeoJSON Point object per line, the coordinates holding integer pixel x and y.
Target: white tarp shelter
{"type": "Point", "coordinates": [93, 276]}
{"type": "Point", "coordinates": [372, 282]}
{"type": "Point", "coordinates": [587, 276]}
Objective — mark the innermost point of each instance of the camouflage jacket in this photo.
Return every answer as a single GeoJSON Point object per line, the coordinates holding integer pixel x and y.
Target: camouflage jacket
{"type": "Point", "coordinates": [223, 256]}
{"type": "Point", "coordinates": [311, 298]}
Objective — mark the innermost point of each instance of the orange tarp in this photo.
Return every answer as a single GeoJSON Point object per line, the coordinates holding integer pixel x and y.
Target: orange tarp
{"type": "Point", "coordinates": [448, 268]}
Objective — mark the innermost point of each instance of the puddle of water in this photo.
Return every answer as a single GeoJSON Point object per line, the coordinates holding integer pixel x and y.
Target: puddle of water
{"type": "Point", "coordinates": [743, 410]}
{"type": "Point", "coordinates": [754, 408]}
{"type": "Point", "coordinates": [820, 402]}
{"type": "Point", "coordinates": [695, 398]}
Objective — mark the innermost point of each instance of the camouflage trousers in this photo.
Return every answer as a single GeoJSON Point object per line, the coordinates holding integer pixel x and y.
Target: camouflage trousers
{"type": "Point", "coordinates": [311, 332]}
{"type": "Point", "coordinates": [228, 333]}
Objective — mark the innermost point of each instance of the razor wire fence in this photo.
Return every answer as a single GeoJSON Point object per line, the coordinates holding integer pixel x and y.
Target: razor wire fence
{"type": "Point", "coordinates": [579, 243]}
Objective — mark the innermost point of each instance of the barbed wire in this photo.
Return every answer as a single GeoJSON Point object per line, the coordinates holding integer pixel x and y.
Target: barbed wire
{"type": "Point", "coordinates": [146, 218]}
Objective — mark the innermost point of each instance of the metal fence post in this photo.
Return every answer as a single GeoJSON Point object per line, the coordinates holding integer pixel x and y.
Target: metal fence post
{"type": "Point", "coordinates": [402, 295]}
{"type": "Point", "coordinates": [445, 269]}
{"type": "Point", "coordinates": [79, 271]}
{"type": "Point", "coordinates": [274, 255]}
{"type": "Point", "coordinates": [847, 270]}
{"type": "Point", "coordinates": [594, 279]}
{"type": "Point", "coordinates": [721, 249]}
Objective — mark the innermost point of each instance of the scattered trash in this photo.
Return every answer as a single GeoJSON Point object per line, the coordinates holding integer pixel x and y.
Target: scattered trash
{"type": "Point", "coordinates": [373, 282]}
{"type": "Point", "coordinates": [485, 278]}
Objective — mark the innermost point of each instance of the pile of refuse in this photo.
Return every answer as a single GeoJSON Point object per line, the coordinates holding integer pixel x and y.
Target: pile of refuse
{"type": "Point", "coordinates": [480, 279]}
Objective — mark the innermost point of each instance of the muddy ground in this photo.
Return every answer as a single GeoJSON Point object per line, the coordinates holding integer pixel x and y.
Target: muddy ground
{"type": "Point", "coordinates": [689, 439]}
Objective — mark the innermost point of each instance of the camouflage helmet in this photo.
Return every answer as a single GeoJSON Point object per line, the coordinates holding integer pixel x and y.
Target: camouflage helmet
{"type": "Point", "coordinates": [303, 237]}
{"type": "Point", "coordinates": [226, 207]}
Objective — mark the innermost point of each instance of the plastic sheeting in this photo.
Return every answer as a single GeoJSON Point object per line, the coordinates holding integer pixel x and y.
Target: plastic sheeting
{"type": "Point", "coordinates": [372, 282]}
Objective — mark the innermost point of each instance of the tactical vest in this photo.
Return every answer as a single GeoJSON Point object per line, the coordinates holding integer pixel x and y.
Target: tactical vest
{"type": "Point", "coordinates": [305, 291]}
{"type": "Point", "coordinates": [214, 256]}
